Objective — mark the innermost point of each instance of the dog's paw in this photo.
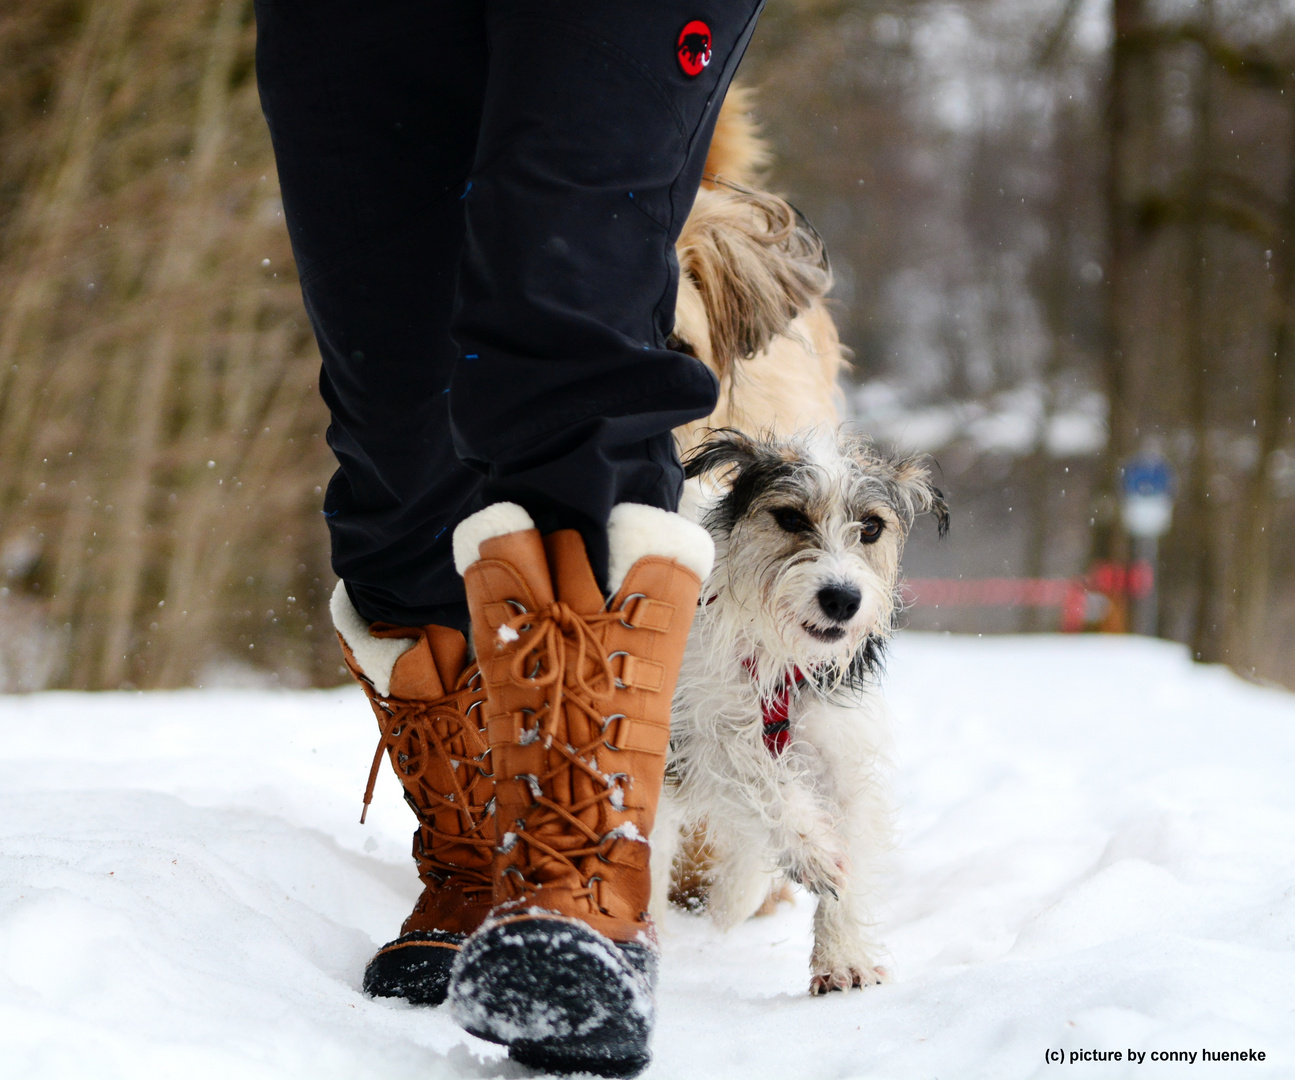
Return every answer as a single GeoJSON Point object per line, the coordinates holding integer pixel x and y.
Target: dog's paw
{"type": "Point", "coordinates": [847, 978]}
{"type": "Point", "coordinates": [822, 872]}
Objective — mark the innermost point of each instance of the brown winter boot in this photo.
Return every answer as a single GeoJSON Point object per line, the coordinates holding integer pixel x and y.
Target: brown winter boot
{"type": "Point", "coordinates": [578, 714]}
{"type": "Point", "coordinates": [429, 705]}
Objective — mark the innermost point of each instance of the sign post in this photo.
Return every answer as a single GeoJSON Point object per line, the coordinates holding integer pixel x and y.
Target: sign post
{"type": "Point", "coordinates": [1147, 510]}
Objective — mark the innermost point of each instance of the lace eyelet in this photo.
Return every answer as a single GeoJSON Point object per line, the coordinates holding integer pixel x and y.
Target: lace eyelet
{"type": "Point", "coordinates": [521, 609]}
{"type": "Point", "coordinates": [616, 679]}
{"type": "Point", "coordinates": [607, 722]}
{"type": "Point", "coordinates": [632, 596]}
{"type": "Point", "coordinates": [596, 894]}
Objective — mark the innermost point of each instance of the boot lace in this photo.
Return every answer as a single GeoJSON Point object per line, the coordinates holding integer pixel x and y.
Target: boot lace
{"type": "Point", "coordinates": [418, 735]}
{"type": "Point", "coordinates": [564, 653]}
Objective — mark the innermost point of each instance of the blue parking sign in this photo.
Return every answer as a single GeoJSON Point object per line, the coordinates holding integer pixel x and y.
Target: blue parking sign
{"type": "Point", "coordinates": [1148, 476]}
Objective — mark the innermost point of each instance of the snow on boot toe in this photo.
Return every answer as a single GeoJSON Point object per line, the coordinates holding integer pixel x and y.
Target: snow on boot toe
{"type": "Point", "coordinates": [561, 996]}
{"type": "Point", "coordinates": [415, 967]}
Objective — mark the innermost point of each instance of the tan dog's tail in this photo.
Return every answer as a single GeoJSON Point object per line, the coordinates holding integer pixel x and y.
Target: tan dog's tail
{"type": "Point", "coordinates": [737, 152]}
{"type": "Point", "coordinates": [750, 303]}
{"type": "Point", "coordinates": [757, 265]}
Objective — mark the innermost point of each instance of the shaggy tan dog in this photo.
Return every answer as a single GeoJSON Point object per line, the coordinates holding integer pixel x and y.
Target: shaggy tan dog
{"type": "Point", "coordinates": [753, 277]}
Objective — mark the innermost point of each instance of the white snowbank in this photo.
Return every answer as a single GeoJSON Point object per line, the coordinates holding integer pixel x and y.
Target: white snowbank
{"type": "Point", "coordinates": [1012, 422]}
{"type": "Point", "coordinates": [1098, 852]}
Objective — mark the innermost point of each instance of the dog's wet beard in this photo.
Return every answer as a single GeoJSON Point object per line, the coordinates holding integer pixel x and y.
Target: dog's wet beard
{"type": "Point", "coordinates": [865, 668]}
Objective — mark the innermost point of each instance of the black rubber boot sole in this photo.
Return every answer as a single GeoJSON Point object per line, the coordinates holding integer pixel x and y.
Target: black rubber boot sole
{"type": "Point", "coordinates": [415, 967]}
{"type": "Point", "coordinates": [559, 995]}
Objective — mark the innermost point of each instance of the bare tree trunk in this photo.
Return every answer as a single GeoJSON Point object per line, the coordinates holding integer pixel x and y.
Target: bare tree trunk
{"type": "Point", "coordinates": [186, 622]}
{"type": "Point", "coordinates": [1056, 286]}
{"type": "Point", "coordinates": [48, 221]}
{"type": "Point", "coordinates": [83, 533]}
{"type": "Point", "coordinates": [257, 457]}
{"type": "Point", "coordinates": [151, 322]}
{"type": "Point", "coordinates": [1198, 520]}
{"type": "Point", "coordinates": [1128, 49]}
{"type": "Point", "coordinates": [187, 242]}
{"type": "Point", "coordinates": [1259, 496]}
{"type": "Point", "coordinates": [1039, 464]}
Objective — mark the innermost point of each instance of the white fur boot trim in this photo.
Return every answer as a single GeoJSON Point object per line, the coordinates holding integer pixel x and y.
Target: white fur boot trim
{"type": "Point", "coordinates": [376, 656]}
{"type": "Point", "coordinates": [497, 520]}
{"type": "Point", "coordinates": [635, 531]}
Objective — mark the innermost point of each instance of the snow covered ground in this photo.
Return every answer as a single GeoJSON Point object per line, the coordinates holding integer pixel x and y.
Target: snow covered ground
{"type": "Point", "coordinates": [1098, 853]}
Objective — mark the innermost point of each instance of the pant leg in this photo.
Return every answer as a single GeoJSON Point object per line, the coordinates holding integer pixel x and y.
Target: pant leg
{"type": "Point", "coordinates": [592, 144]}
{"type": "Point", "coordinates": [590, 156]}
{"type": "Point", "coordinates": [374, 110]}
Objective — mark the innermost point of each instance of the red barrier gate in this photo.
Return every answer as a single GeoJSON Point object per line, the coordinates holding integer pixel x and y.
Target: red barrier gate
{"type": "Point", "coordinates": [1074, 596]}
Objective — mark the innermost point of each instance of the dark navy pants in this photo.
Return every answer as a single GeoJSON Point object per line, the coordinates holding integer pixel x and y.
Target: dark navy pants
{"type": "Point", "coordinates": [483, 198]}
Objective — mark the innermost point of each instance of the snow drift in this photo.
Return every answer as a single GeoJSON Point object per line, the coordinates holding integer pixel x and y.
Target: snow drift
{"type": "Point", "coordinates": [1097, 854]}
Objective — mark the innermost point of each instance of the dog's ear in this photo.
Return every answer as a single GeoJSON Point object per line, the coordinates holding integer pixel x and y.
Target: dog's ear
{"type": "Point", "coordinates": [912, 490]}
{"type": "Point", "coordinates": [918, 491]}
{"type": "Point", "coordinates": [723, 449]}
{"type": "Point", "coordinates": [757, 265]}
{"type": "Point", "coordinates": [745, 466]}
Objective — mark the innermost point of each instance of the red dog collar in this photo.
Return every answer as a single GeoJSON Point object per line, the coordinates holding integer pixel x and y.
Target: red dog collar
{"type": "Point", "coordinates": [776, 709]}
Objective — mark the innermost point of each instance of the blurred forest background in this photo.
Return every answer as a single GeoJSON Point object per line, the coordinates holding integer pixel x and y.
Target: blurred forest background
{"type": "Point", "coordinates": [1063, 234]}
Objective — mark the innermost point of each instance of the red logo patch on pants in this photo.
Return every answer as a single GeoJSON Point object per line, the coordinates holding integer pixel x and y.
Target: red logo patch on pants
{"type": "Point", "coordinates": [693, 47]}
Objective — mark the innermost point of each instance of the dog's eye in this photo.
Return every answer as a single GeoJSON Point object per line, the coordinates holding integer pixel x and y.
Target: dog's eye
{"type": "Point", "coordinates": [792, 521]}
{"type": "Point", "coordinates": [870, 528]}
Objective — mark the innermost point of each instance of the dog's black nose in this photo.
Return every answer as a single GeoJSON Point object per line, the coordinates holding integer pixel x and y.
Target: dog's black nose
{"type": "Point", "coordinates": [839, 602]}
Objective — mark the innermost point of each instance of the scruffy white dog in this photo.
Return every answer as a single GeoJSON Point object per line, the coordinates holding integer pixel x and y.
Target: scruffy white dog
{"type": "Point", "coordinates": [779, 739]}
